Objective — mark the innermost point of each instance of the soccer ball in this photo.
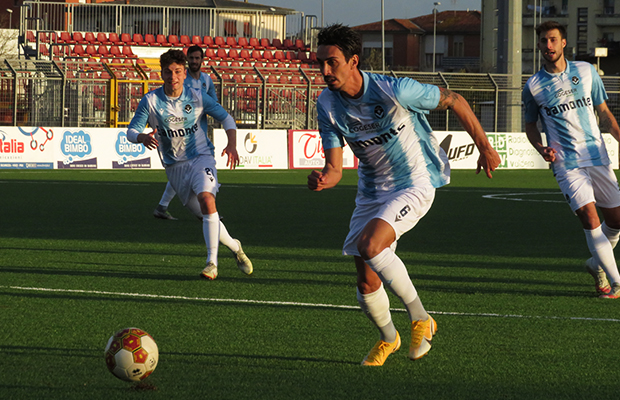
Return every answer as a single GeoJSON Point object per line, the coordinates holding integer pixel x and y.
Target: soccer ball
{"type": "Point", "coordinates": [131, 354]}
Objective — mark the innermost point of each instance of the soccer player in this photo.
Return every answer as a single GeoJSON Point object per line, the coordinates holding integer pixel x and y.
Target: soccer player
{"type": "Point", "coordinates": [198, 80]}
{"type": "Point", "coordinates": [177, 112]}
{"type": "Point", "coordinates": [565, 95]}
{"type": "Point", "coordinates": [400, 165]}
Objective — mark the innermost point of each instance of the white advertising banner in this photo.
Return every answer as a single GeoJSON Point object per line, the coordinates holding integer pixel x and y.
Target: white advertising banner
{"type": "Point", "coordinates": [306, 151]}
{"type": "Point", "coordinates": [258, 149]}
{"type": "Point", "coordinates": [27, 148]}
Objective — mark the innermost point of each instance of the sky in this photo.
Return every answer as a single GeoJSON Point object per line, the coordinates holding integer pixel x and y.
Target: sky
{"type": "Point", "coordinates": [358, 12]}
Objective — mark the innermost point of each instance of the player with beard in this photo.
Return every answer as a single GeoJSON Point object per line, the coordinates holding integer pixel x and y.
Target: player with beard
{"type": "Point", "coordinates": [567, 96]}
{"type": "Point", "coordinates": [400, 166]}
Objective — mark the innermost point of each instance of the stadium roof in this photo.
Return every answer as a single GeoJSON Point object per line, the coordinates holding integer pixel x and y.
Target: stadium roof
{"type": "Point", "coordinates": [242, 5]}
{"type": "Point", "coordinates": [447, 22]}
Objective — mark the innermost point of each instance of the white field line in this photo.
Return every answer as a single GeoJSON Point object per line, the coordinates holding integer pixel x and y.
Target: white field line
{"type": "Point", "coordinates": [510, 196]}
{"type": "Point", "coordinates": [293, 303]}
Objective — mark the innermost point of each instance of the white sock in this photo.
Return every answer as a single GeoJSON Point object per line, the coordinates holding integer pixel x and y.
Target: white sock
{"type": "Point", "coordinates": [228, 240]}
{"type": "Point", "coordinates": [612, 234]}
{"type": "Point", "coordinates": [393, 274]}
{"type": "Point", "coordinates": [168, 195]}
{"type": "Point", "coordinates": [211, 232]}
{"type": "Point", "coordinates": [376, 306]}
{"type": "Point", "coordinates": [603, 253]}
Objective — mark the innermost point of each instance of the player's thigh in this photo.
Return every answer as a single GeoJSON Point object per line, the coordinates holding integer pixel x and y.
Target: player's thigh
{"type": "Point", "coordinates": [402, 212]}
{"type": "Point", "coordinates": [179, 178]}
{"type": "Point", "coordinates": [204, 176]}
{"type": "Point", "coordinates": [605, 185]}
{"type": "Point", "coordinates": [576, 186]}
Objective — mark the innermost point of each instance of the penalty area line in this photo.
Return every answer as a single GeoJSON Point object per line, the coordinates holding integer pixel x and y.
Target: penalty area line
{"type": "Point", "coordinates": [295, 304]}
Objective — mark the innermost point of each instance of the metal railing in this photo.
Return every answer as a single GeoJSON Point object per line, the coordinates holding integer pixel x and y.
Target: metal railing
{"type": "Point", "coordinates": [93, 94]}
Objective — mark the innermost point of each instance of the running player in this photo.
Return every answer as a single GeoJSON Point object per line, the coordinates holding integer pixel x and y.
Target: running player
{"type": "Point", "coordinates": [177, 113]}
{"type": "Point", "coordinates": [198, 80]}
{"type": "Point", "coordinates": [400, 164]}
{"type": "Point", "coordinates": [565, 95]}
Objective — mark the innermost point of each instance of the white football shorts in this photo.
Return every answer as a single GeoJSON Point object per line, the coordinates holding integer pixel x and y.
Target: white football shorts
{"type": "Point", "coordinates": [597, 184]}
{"type": "Point", "coordinates": [191, 177]}
{"type": "Point", "coordinates": [402, 211]}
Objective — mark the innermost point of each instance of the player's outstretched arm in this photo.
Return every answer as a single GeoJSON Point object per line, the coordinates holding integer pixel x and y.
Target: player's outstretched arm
{"type": "Point", "coordinates": [489, 159]}
{"type": "Point", "coordinates": [331, 173]}
{"type": "Point", "coordinates": [607, 121]}
{"type": "Point", "coordinates": [533, 135]}
{"type": "Point", "coordinates": [231, 149]}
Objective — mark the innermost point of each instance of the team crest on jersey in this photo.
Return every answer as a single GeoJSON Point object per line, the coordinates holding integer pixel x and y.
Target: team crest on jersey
{"type": "Point", "coordinates": [575, 80]}
{"type": "Point", "coordinates": [379, 112]}
{"type": "Point", "coordinates": [204, 85]}
{"type": "Point", "coordinates": [188, 108]}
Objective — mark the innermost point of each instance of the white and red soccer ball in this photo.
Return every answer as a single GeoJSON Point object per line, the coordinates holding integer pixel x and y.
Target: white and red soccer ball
{"type": "Point", "coordinates": [131, 354]}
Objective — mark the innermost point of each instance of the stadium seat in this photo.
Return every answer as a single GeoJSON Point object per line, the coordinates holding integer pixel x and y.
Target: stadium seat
{"type": "Point", "coordinates": [79, 38]}
{"type": "Point", "coordinates": [91, 50]}
{"type": "Point", "coordinates": [233, 54]}
{"type": "Point", "coordinates": [78, 51]}
{"type": "Point", "coordinates": [154, 75]}
{"type": "Point", "coordinates": [102, 38]}
{"type": "Point", "coordinates": [43, 50]}
{"type": "Point", "coordinates": [257, 55]}
{"type": "Point", "coordinates": [126, 39]}
{"type": "Point", "coordinates": [288, 44]}
{"type": "Point", "coordinates": [268, 55]}
{"type": "Point", "coordinates": [300, 45]}
{"type": "Point", "coordinates": [291, 57]}
{"type": "Point", "coordinates": [197, 40]}
{"type": "Point", "coordinates": [220, 42]}
{"type": "Point", "coordinates": [143, 65]}
{"type": "Point", "coordinates": [243, 43]}
{"type": "Point", "coordinates": [232, 42]}
{"type": "Point", "coordinates": [277, 43]}
{"type": "Point", "coordinates": [127, 52]}
{"type": "Point", "coordinates": [65, 37]}
{"type": "Point", "coordinates": [113, 37]}
{"type": "Point", "coordinates": [91, 38]}
{"type": "Point", "coordinates": [278, 55]}
{"type": "Point", "coordinates": [223, 55]}
{"type": "Point", "coordinates": [185, 40]}
{"type": "Point", "coordinates": [30, 38]}
{"type": "Point", "coordinates": [103, 51]}
{"type": "Point", "coordinates": [150, 40]}
{"type": "Point", "coordinates": [116, 52]}
{"type": "Point", "coordinates": [161, 39]}
{"type": "Point", "coordinates": [255, 44]}
{"type": "Point", "coordinates": [139, 39]}
{"type": "Point", "coordinates": [211, 54]}
{"type": "Point", "coordinates": [208, 41]}
{"type": "Point", "coordinates": [244, 54]}
{"type": "Point", "coordinates": [264, 42]}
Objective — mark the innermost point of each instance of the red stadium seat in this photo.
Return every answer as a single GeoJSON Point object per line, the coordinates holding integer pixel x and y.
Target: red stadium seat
{"type": "Point", "coordinates": [65, 37]}
{"type": "Point", "coordinates": [102, 38]}
{"type": "Point", "coordinates": [185, 40]}
{"type": "Point", "coordinates": [264, 42]}
{"type": "Point", "coordinates": [126, 39]}
{"type": "Point", "coordinates": [103, 51]}
{"type": "Point", "coordinates": [79, 38]}
{"type": "Point", "coordinates": [127, 52]}
{"type": "Point", "coordinates": [197, 40]}
{"type": "Point", "coordinates": [277, 43]}
{"type": "Point", "coordinates": [174, 40]}
{"type": "Point", "coordinates": [208, 41]}
{"type": "Point", "coordinates": [254, 43]}
{"type": "Point", "coordinates": [243, 43]}
{"type": "Point", "coordinates": [116, 52]}
{"type": "Point", "coordinates": [139, 40]}
{"type": "Point", "coordinates": [161, 39]}
{"type": "Point", "coordinates": [113, 37]}
{"type": "Point", "coordinates": [220, 42]}
{"type": "Point", "coordinates": [91, 38]}
{"type": "Point", "coordinates": [232, 42]}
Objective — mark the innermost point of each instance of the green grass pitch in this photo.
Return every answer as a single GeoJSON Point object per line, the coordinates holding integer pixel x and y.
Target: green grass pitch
{"type": "Point", "coordinates": [499, 263]}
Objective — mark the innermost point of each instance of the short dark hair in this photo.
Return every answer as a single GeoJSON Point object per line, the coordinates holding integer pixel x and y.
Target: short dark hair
{"type": "Point", "coordinates": [343, 37]}
{"type": "Point", "coordinates": [172, 56]}
{"type": "Point", "coordinates": [551, 25]}
{"type": "Point", "coordinates": [195, 48]}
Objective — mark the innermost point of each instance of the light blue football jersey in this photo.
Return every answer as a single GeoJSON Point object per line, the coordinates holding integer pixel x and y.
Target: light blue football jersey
{"type": "Point", "coordinates": [387, 131]}
{"type": "Point", "coordinates": [203, 83]}
{"type": "Point", "coordinates": [565, 104]}
{"type": "Point", "coordinates": [181, 130]}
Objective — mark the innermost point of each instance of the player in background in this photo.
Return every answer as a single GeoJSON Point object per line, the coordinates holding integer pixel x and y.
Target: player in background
{"type": "Point", "coordinates": [564, 95]}
{"type": "Point", "coordinates": [198, 80]}
{"type": "Point", "coordinates": [400, 165]}
{"type": "Point", "coordinates": [177, 113]}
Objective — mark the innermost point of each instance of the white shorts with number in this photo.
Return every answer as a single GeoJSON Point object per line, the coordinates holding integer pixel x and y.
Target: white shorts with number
{"type": "Point", "coordinates": [192, 177]}
{"type": "Point", "coordinates": [402, 211]}
{"type": "Point", "coordinates": [598, 184]}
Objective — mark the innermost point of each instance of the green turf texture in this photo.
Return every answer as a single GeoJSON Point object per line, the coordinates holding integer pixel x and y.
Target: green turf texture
{"type": "Point", "coordinates": [517, 314]}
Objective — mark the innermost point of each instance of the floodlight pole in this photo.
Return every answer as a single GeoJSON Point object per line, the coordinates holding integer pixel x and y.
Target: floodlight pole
{"type": "Point", "coordinates": [10, 17]}
{"type": "Point", "coordinates": [435, 31]}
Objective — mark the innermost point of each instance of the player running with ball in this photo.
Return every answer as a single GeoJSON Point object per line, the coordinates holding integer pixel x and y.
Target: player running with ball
{"type": "Point", "coordinates": [400, 166]}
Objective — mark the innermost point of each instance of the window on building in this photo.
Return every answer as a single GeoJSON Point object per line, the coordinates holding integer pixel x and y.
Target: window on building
{"type": "Point", "coordinates": [582, 33]}
{"type": "Point", "coordinates": [371, 58]}
{"type": "Point", "coordinates": [582, 15]}
{"type": "Point", "coordinates": [438, 60]}
{"type": "Point", "coordinates": [609, 6]}
{"type": "Point", "coordinates": [230, 27]}
{"type": "Point", "coordinates": [247, 29]}
{"type": "Point", "coordinates": [458, 46]}
{"type": "Point", "coordinates": [564, 6]}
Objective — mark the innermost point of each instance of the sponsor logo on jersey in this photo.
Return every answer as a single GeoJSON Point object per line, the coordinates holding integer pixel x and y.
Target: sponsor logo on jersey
{"type": "Point", "coordinates": [173, 119]}
{"type": "Point", "coordinates": [379, 112]}
{"type": "Point", "coordinates": [357, 126]}
{"type": "Point", "coordinates": [571, 105]}
{"type": "Point", "coordinates": [575, 80]}
{"type": "Point", "coordinates": [402, 213]}
{"type": "Point", "coordinates": [188, 108]}
{"type": "Point", "coordinates": [565, 93]}
{"type": "Point", "coordinates": [177, 132]}
{"type": "Point", "coordinates": [377, 140]}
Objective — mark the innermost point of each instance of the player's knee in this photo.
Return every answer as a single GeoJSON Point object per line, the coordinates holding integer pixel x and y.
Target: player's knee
{"type": "Point", "coordinates": [369, 248]}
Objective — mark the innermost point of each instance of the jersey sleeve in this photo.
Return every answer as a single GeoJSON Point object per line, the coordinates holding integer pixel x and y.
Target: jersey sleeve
{"type": "Point", "coordinates": [330, 137]}
{"type": "Point", "coordinates": [139, 120]}
{"type": "Point", "coordinates": [529, 104]}
{"type": "Point", "coordinates": [416, 96]}
{"type": "Point", "coordinates": [599, 95]}
{"type": "Point", "coordinates": [212, 107]}
{"type": "Point", "coordinates": [211, 91]}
